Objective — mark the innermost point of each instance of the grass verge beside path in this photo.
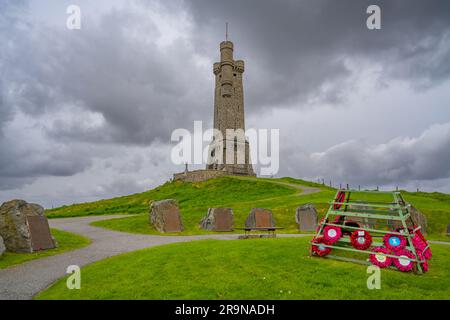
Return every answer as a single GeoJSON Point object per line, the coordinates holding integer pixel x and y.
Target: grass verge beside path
{"type": "Point", "coordinates": [248, 269]}
{"type": "Point", "coordinates": [66, 241]}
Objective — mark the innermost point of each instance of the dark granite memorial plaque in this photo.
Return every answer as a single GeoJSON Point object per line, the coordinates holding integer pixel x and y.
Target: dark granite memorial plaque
{"type": "Point", "coordinates": [41, 238]}
{"type": "Point", "coordinates": [263, 218]}
{"type": "Point", "coordinates": [223, 220]}
{"type": "Point", "coordinates": [172, 220]}
{"type": "Point", "coordinates": [165, 216]}
{"type": "Point", "coordinates": [306, 217]}
{"type": "Point", "coordinates": [260, 218]}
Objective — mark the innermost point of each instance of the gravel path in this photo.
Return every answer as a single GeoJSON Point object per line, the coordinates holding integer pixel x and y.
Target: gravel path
{"type": "Point", "coordinates": [26, 280]}
{"type": "Point", "coordinates": [304, 189]}
{"type": "Point", "coordinates": [439, 242]}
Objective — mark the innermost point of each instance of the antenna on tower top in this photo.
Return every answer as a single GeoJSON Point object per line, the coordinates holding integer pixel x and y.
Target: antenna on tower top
{"type": "Point", "coordinates": [226, 31]}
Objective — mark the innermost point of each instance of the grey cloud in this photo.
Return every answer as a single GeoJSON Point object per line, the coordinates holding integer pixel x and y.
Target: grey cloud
{"type": "Point", "coordinates": [5, 111]}
{"type": "Point", "coordinates": [400, 160]}
{"type": "Point", "coordinates": [295, 52]}
{"type": "Point", "coordinates": [114, 68]}
{"type": "Point", "coordinates": [119, 187]}
{"type": "Point", "coordinates": [10, 183]}
{"type": "Point", "coordinates": [111, 69]}
{"type": "Point", "coordinates": [295, 47]}
{"type": "Point", "coordinates": [23, 164]}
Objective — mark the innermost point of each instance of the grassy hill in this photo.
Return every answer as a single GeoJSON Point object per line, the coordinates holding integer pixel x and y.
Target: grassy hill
{"type": "Point", "coordinates": [282, 196]}
{"type": "Point", "coordinates": [252, 269]}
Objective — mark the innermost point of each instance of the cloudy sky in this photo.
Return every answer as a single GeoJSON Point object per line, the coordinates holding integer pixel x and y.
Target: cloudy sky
{"type": "Point", "coordinates": [88, 114]}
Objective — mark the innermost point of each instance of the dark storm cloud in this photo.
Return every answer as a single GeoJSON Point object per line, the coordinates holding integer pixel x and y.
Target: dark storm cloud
{"type": "Point", "coordinates": [9, 13]}
{"type": "Point", "coordinates": [111, 83]}
{"type": "Point", "coordinates": [112, 70]}
{"type": "Point", "coordinates": [294, 48]}
{"type": "Point", "coordinates": [5, 112]}
{"type": "Point", "coordinates": [23, 160]}
{"type": "Point", "coordinates": [296, 51]}
{"type": "Point", "coordinates": [400, 160]}
{"type": "Point", "coordinates": [141, 91]}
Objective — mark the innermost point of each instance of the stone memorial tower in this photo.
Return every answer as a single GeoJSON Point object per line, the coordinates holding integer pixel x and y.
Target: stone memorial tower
{"type": "Point", "coordinates": [229, 114]}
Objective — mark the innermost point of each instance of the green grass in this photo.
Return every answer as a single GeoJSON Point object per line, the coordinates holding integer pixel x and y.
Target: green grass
{"type": "Point", "coordinates": [66, 241]}
{"type": "Point", "coordinates": [247, 269]}
{"type": "Point", "coordinates": [241, 194]}
{"type": "Point", "coordinates": [213, 192]}
{"type": "Point", "coordinates": [436, 207]}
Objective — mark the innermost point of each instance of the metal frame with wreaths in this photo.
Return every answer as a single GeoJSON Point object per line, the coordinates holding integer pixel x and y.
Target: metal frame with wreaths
{"type": "Point", "coordinates": [396, 212]}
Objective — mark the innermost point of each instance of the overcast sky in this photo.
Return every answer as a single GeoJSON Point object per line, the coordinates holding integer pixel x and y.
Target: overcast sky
{"type": "Point", "coordinates": [88, 114]}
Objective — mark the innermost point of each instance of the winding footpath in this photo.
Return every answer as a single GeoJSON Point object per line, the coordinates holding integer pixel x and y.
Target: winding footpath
{"type": "Point", "coordinates": [24, 281]}
{"type": "Point", "coordinates": [304, 190]}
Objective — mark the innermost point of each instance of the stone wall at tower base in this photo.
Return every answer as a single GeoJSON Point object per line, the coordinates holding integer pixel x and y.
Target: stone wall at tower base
{"type": "Point", "coordinates": [203, 175]}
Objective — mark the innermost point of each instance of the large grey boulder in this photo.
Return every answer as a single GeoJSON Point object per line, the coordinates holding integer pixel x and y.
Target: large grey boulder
{"type": "Point", "coordinates": [306, 218]}
{"type": "Point", "coordinates": [218, 219]}
{"type": "Point", "coordinates": [24, 228]}
{"type": "Point", "coordinates": [2, 246]}
{"type": "Point", "coordinates": [165, 216]}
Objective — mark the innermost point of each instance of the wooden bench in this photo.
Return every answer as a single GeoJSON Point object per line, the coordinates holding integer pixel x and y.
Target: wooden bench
{"type": "Point", "coordinates": [259, 220]}
{"type": "Point", "coordinates": [270, 230]}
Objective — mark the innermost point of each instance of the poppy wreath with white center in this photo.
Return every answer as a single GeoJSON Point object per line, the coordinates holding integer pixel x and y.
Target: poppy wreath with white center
{"type": "Point", "coordinates": [404, 265]}
{"type": "Point", "coordinates": [361, 239]}
{"type": "Point", "coordinates": [380, 260]}
{"type": "Point", "coordinates": [394, 242]}
{"type": "Point", "coordinates": [320, 250]}
{"type": "Point", "coordinates": [331, 234]}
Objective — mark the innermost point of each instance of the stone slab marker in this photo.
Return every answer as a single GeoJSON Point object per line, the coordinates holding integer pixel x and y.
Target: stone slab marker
{"type": "Point", "coordinates": [306, 218]}
{"type": "Point", "coordinates": [40, 231]}
{"type": "Point", "coordinates": [218, 219]}
{"type": "Point", "coordinates": [260, 218]}
{"type": "Point", "coordinates": [24, 228]}
{"type": "Point", "coordinates": [165, 216]}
